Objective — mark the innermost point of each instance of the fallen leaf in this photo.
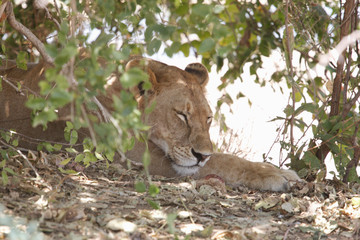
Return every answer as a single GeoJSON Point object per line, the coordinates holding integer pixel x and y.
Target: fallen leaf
{"type": "Point", "coordinates": [288, 207]}
{"type": "Point", "coordinates": [267, 203]}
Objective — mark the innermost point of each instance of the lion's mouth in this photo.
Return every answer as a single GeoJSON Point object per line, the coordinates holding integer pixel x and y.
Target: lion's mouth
{"type": "Point", "coordinates": [185, 170]}
{"type": "Point", "coordinates": [200, 161]}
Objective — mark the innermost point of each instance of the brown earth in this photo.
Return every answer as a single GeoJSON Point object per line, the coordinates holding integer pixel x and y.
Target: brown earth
{"type": "Point", "coordinates": [102, 203]}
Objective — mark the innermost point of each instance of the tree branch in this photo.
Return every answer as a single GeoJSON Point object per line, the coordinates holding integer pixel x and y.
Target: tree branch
{"type": "Point", "coordinates": [323, 151]}
{"type": "Point", "coordinates": [27, 33]}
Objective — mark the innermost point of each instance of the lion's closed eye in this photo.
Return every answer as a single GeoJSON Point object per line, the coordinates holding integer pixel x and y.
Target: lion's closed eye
{"type": "Point", "coordinates": [209, 120]}
{"type": "Point", "coordinates": [182, 117]}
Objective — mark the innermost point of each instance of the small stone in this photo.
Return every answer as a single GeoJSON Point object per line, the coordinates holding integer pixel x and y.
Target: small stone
{"type": "Point", "coordinates": [118, 224]}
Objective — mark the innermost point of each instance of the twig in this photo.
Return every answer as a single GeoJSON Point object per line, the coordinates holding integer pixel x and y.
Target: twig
{"type": "Point", "coordinates": [8, 81]}
{"type": "Point", "coordinates": [23, 156]}
{"type": "Point", "coordinates": [57, 9]}
{"type": "Point", "coordinates": [27, 33]}
{"type": "Point", "coordinates": [35, 140]}
{"type": "Point", "coordinates": [91, 130]}
{"type": "Point", "coordinates": [13, 86]}
{"type": "Point", "coordinates": [49, 16]}
{"type": "Point", "coordinates": [291, 75]}
{"type": "Point", "coordinates": [109, 118]}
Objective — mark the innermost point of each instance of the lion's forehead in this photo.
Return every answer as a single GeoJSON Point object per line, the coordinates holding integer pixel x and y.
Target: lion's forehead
{"type": "Point", "coordinates": [189, 94]}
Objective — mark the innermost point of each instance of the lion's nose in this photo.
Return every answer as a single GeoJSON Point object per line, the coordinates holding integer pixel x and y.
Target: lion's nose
{"type": "Point", "coordinates": [200, 156]}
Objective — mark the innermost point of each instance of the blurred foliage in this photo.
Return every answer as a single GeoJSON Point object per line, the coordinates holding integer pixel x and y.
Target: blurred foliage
{"type": "Point", "coordinates": [227, 33]}
{"type": "Point", "coordinates": [19, 228]}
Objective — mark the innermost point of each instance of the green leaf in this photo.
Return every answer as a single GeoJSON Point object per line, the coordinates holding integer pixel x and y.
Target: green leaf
{"type": "Point", "coordinates": [71, 150]}
{"type": "Point", "coordinates": [79, 157]}
{"type": "Point", "coordinates": [73, 137]}
{"type": "Point", "coordinates": [9, 170]}
{"type": "Point", "coordinates": [207, 45]}
{"type": "Point", "coordinates": [201, 9]}
{"type": "Point", "coordinates": [110, 156]}
{"type": "Point", "coordinates": [65, 161]}
{"type": "Point", "coordinates": [185, 49]}
{"type": "Point", "coordinates": [311, 160]}
{"type": "Point", "coordinates": [57, 147]}
{"type": "Point", "coordinates": [36, 103]}
{"type": "Point", "coordinates": [21, 60]}
{"type": "Point", "coordinates": [133, 77]}
{"type": "Point", "coordinates": [153, 204]}
{"type": "Point", "coordinates": [146, 159]}
{"type": "Point", "coordinates": [153, 190]}
{"type": "Point", "coordinates": [69, 125]}
{"type": "Point", "coordinates": [353, 176]}
{"type": "Point", "coordinates": [288, 110]}
{"type": "Point", "coordinates": [308, 107]}
{"type": "Point", "coordinates": [4, 176]}
{"type": "Point", "coordinates": [3, 48]}
{"type": "Point", "coordinates": [297, 96]}
{"type": "Point", "coordinates": [69, 171]}
{"type": "Point", "coordinates": [240, 95]}
{"type": "Point", "coordinates": [154, 46]}
{"type": "Point", "coordinates": [60, 97]}
{"type": "Point", "coordinates": [264, 48]}
{"type": "Point", "coordinates": [103, 39]}
{"type": "Point", "coordinates": [170, 219]}
{"type": "Point", "coordinates": [15, 142]}
{"type": "Point", "coordinates": [63, 56]}
{"type": "Point", "coordinates": [89, 158]}
{"type": "Point", "coordinates": [140, 187]}
{"type": "Point", "coordinates": [43, 117]}
{"type": "Point", "coordinates": [2, 163]}
{"type": "Point", "coordinates": [99, 156]}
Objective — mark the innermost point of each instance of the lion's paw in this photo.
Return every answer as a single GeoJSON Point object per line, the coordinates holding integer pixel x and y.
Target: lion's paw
{"type": "Point", "coordinates": [281, 180]}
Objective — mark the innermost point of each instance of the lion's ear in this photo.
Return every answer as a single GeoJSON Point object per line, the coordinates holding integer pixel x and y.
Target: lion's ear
{"type": "Point", "coordinates": [199, 71]}
{"type": "Point", "coordinates": [143, 64]}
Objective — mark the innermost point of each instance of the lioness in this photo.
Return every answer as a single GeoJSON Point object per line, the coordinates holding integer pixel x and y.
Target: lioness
{"type": "Point", "coordinates": [178, 139]}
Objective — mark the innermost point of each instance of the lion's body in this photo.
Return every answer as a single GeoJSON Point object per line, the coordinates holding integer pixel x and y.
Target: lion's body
{"type": "Point", "coordinates": [179, 141]}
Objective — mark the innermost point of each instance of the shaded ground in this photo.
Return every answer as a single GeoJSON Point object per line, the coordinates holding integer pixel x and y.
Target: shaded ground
{"type": "Point", "coordinates": [102, 203]}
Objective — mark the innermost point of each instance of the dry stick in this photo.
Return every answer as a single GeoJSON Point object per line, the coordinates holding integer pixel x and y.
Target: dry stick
{"type": "Point", "coordinates": [13, 86]}
{"type": "Point", "coordinates": [291, 75]}
{"type": "Point", "coordinates": [27, 33]}
{"type": "Point", "coordinates": [2, 8]}
{"type": "Point", "coordinates": [23, 156]}
{"type": "Point", "coordinates": [20, 91]}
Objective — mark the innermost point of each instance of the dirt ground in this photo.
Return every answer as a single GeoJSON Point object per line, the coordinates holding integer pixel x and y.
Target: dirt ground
{"type": "Point", "coordinates": [102, 203]}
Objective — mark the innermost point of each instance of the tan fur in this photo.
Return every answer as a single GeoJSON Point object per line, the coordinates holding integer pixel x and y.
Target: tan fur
{"type": "Point", "coordinates": [179, 141]}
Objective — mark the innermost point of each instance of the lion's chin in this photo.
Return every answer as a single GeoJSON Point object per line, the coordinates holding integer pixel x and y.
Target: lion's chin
{"type": "Point", "coordinates": [185, 170]}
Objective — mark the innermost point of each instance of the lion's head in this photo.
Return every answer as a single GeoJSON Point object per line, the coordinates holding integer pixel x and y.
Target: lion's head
{"type": "Point", "coordinates": [181, 119]}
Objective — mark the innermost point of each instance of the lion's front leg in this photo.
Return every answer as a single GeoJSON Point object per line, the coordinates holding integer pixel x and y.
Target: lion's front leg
{"type": "Point", "coordinates": [238, 171]}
